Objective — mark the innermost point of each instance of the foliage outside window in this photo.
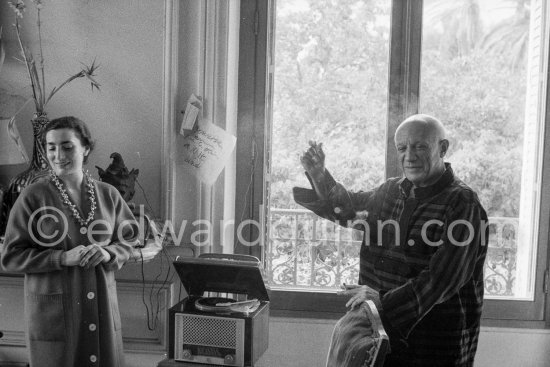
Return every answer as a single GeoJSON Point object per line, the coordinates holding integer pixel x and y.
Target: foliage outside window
{"type": "Point", "coordinates": [330, 85]}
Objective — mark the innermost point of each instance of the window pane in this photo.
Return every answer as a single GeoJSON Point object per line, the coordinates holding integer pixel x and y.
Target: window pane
{"type": "Point", "coordinates": [329, 85]}
{"type": "Point", "coordinates": [481, 61]}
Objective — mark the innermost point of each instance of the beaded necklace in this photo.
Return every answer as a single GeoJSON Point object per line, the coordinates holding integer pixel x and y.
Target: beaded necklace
{"type": "Point", "coordinates": [74, 211]}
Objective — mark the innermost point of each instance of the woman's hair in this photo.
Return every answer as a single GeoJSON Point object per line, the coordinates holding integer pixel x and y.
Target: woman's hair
{"type": "Point", "coordinates": [75, 124]}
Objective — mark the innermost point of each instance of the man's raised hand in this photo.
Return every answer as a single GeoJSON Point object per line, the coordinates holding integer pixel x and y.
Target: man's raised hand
{"type": "Point", "coordinates": [313, 160]}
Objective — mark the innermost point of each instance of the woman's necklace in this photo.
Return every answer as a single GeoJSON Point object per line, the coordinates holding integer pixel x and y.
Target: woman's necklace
{"type": "Point", "coordinates": [83, 223]}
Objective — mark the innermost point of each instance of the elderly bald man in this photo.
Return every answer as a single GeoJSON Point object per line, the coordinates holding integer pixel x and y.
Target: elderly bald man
{"type": "Point", "coordinates": [422, 256]}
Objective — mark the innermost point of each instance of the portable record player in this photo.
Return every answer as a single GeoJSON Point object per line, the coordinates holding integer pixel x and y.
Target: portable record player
{"type": "Point", "coordinates": [224, 320]}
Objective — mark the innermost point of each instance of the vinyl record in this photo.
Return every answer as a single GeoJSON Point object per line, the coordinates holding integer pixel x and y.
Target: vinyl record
{"type": "Point", "coordinates": [208, 304]}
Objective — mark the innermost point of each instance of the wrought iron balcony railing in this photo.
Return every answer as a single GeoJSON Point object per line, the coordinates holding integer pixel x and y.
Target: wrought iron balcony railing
{"type": "Point", "coordinates": [306, 251]}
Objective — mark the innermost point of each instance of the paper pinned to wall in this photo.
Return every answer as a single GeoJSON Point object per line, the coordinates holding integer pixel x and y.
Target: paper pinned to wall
{"type": "Point", "coordinates": [207, 150]}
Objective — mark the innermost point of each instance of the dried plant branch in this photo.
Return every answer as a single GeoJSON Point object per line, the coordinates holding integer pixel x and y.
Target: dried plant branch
{"type": "Point", "coordinates": [2, 52]}
{"type": "Point", "coordinates": [37, 73]}
{"type": "Point", "coordinates": [41, 53]}
{"type": "Point", "coordinates": [27, 62]}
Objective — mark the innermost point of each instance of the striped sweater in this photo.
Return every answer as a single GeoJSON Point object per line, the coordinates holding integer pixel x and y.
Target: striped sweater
{"type": "Point", "coordinates": [425, 254]}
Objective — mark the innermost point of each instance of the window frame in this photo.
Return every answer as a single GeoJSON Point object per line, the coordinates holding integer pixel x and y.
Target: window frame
{"type": "Point", "coordinates": [253, 152]}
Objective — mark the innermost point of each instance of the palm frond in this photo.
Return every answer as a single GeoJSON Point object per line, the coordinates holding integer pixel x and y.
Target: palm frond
{"type": "Point", "coordinates": [460, 19]}
{"type": "Point", "coordinates": [508, 41]}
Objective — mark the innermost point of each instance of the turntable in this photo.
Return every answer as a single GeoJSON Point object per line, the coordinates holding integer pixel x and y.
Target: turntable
{"type": "Point", "coordinates": [224, 320]}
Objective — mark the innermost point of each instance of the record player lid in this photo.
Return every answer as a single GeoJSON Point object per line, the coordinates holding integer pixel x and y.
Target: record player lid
{"type": "Point", "coordinates": [222, 274]}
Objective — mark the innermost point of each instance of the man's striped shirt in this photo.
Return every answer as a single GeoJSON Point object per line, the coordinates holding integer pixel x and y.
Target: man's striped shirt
{"type": "Point", "coordinates": [425, 254]}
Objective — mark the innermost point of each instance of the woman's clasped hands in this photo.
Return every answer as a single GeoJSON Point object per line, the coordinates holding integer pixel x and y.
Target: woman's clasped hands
{"type": "Point", "coordinates": [85, 256]}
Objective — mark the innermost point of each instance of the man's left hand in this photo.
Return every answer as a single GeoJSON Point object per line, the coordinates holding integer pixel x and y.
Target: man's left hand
{"type": "Point", "coordinates": [359, 294]}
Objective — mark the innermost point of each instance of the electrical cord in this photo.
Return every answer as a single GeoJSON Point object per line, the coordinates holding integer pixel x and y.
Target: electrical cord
{"type": "Point", "coordinates": [153, 308]}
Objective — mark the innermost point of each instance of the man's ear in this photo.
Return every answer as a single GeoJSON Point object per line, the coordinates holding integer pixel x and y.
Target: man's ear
{"type": "Point", "coordinates": [443, 147]}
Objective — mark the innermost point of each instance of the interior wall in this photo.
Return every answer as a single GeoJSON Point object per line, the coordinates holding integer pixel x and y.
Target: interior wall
{"type": "Point", "coordinates": [126, 39]}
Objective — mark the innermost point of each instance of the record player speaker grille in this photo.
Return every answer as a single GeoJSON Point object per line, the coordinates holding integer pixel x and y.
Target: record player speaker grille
{"type": "Point", "coordinates": [212, 331]}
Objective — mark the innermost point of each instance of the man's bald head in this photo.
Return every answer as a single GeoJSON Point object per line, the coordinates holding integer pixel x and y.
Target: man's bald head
{"type": "Point", "coordinates": [432, 126]}
{"type": "Point", "coordinates": [421, 146]}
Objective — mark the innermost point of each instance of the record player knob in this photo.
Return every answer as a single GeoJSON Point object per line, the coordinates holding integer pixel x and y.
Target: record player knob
{"type": "Point", "coordinates": [186, 354]}
{"type": "Point", "coordinates": [229, 359]}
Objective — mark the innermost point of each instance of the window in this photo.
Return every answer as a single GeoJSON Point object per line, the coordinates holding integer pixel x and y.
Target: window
{"type": "Point", "coordinates": [481, 73]}
{"type": "Point", "coordinates": [341, 73]}
{"type": "Point", "coordinates": [330, 85]}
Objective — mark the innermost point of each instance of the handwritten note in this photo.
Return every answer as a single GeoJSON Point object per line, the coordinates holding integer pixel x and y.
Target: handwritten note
{"type": "Point", "coordinates": [207, 150]}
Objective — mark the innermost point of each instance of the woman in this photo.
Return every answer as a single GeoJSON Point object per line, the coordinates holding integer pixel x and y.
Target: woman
{"type": "Point", "coordinates": [68, 234]}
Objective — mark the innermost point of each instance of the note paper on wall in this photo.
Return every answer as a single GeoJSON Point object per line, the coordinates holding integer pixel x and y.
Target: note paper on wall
{"type": "Point", "coordinates": [207, 150]}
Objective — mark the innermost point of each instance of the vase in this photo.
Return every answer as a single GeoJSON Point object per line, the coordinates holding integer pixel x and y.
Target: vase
{"type": "Point", "coordinates": [37, 169]}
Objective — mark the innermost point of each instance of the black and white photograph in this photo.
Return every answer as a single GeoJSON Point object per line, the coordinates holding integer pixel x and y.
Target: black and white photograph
{"type": "Point", "coordinates": [274, 183]}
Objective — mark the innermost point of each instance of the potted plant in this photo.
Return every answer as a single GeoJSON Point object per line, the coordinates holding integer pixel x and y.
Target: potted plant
{"type": "Point", "coordinates": [36, 73]}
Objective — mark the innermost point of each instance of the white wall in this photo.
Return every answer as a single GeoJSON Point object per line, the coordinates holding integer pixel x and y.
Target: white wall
{"type": "Point", "coordinates": [513, 347]}
{"type": "Point", "coordinates": [126, 39]}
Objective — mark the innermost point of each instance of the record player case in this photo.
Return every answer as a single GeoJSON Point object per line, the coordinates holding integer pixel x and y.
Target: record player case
{"type": "Point", "coordinates": [219, 337]}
